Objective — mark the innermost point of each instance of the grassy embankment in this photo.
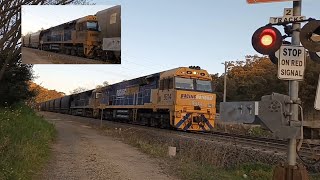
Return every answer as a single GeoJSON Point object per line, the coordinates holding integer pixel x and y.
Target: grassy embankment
{"type": "Point", "coordinates": [24, 142]}
{"type": "Point", "coordinates": [194, 162]}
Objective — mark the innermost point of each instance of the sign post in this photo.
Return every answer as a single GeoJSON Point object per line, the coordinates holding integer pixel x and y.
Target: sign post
{"type": "Point", "coordinates": [317, 101]}
{"type": "Point", "coordinates": [294, 94]}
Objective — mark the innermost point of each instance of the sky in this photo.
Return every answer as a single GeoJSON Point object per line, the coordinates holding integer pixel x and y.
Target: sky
{"type": "Point", "coordinates": [158, 35]}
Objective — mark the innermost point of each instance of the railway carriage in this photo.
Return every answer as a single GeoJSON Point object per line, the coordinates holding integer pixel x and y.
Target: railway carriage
{"type": "Point", "coordinates": [109, 21]}
{"type": "Point", "coordinates": [26, 40]}
{"type": "Point", "coordinates": [65, 105]}
{"type": "Point", "coordinates": [180, 98]}
{"type": "Point", "coordinates": [57, 105]}
{"type": "Point", "coordinates": [35, 40]}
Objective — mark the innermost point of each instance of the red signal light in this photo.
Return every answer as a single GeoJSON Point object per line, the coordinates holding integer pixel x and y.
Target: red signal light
{"type": "Point", "coordinates": [267, 37]}
{"type": "Point", "coordinates": [267, 40]}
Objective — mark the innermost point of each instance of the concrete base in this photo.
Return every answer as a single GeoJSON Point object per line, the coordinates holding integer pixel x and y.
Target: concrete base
{"type": "Point", "coordinates": [286, 172]}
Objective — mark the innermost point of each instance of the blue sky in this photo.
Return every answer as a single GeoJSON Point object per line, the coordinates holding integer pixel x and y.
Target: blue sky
{"type": "Point", "coordinates": [162, 34]}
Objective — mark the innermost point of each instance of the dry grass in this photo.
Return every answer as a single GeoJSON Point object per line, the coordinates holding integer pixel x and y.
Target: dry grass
{"type": "Point", "coordinates": [195, 160]}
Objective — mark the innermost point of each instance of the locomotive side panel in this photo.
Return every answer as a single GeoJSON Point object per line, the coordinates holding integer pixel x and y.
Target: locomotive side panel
{"type": "Point", "coordinates": [80, 103]}
{"type": "Point", "coordinates": [130, 93]}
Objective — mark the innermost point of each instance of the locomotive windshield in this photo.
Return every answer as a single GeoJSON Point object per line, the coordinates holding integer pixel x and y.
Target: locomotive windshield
{"type": "Point", "coordinates": [92, 26]}
{"type": "Point", "coordinates": [203, 86]}
{"type": "Point", "coordinates": [183, 83]}
{"type": "Point", "coordinates": [193, 84]}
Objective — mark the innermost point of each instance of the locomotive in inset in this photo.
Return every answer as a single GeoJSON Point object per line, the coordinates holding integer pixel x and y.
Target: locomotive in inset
{"type": "Point", "coordinates": [93, 36]}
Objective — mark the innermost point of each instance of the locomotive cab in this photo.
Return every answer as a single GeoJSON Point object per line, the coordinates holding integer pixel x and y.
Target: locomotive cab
{"type": "Point", "coordinates": [87, 33]}
{"type": "Point", "coordinates": [190, 94]}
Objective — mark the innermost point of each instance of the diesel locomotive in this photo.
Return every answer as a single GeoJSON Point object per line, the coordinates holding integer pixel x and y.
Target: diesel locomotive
{"type": "Point", "coordinates": [93, 36]}
{"type": "Point", "coordinates": [180, 98]}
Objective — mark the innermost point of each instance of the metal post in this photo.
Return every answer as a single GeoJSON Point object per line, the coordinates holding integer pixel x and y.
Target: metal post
{"type": "Point", "coordinates": [225, 82]}
{"type": "Point", "coordinates": [101, 118]}
{"type": "Point", "coordinates": [294, 88]}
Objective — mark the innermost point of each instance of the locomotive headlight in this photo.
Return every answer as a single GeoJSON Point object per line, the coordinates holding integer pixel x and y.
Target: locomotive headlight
{"type": "Point", "coordinates": [209, 105]}
{"type": "Point", "coordinates": [194, 72]}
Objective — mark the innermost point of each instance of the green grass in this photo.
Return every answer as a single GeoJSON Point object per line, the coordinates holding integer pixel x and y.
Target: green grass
{"type": "Point", "coordinates": [24, 142]}
{"type": "Point", "coordinates": [189, 170]}
{"type": "Point", "coordinates": [315, 176]}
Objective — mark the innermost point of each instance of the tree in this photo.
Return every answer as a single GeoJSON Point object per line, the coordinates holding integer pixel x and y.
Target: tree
{"type": "Point", "coordinates": [42, 94]}
{"type": "Point", "coordinates": [105, 83]}
{"type": "Point", "coordinates": [14, 76]}
{"type": "Point", "coordinates": [78, 90]}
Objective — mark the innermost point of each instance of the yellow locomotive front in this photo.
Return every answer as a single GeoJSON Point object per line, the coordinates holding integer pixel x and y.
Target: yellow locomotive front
{"type": "Point", "coordinates": [188, 93]}
{"type": "Point", "coordinates": [87, 34]}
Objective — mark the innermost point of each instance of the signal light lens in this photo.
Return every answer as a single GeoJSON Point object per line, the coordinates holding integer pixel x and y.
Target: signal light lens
{"type": "Point", "coordinates": [267, 40]}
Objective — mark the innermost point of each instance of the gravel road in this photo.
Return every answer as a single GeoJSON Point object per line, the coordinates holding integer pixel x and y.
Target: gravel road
{"type": "Point", "coordinates": [35, 56]}
{"type": "Point", "coordinates": [80, 152]}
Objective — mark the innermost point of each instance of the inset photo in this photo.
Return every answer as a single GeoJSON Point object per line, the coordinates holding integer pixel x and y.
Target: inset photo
{"type": "Point", "coordinates": [71, 34]}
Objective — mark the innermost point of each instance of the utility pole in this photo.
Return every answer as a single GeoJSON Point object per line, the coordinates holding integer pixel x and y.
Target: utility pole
{"type": "Point", "coordinates": [225, 82]}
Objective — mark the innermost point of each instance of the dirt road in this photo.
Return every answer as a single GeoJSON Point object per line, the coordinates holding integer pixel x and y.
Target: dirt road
{"type": "Point", "coordinates": [80, 152]}
{"type": "Point", "coordinates": [35, 56]}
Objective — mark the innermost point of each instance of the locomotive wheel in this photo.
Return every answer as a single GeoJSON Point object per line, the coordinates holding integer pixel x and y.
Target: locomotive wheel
{"type": "Point", "coordinates": [67, 51]}
{"type": "Point", "coordinates": [73, 52]}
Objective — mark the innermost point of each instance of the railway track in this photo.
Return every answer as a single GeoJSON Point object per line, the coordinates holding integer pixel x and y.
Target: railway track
{"type": "Point", "coordinates": [266, 145]}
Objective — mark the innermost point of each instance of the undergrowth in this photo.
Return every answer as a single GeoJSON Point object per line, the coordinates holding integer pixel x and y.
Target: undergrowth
{"type": "Point", "coordinates": [24, 142]}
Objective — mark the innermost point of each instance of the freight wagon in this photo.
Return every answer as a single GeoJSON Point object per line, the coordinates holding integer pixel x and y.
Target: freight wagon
{"type": "Point", "coordinates": [109, 21]}
{"type": "Point", "coordinates": [180, 98]}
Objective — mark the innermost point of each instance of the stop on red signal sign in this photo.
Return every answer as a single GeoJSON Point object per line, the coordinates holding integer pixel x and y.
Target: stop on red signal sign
{"type": "Point", "coordinates": [266, 1]}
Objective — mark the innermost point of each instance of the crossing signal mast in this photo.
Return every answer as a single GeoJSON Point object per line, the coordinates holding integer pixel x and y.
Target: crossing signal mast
{"type": "Point", "coordinates": [291, 60]}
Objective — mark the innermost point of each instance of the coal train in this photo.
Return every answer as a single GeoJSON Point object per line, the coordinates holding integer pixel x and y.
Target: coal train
{"type": "Point", "coordinates": [95, 36]}
{"type": "Point", "coordinates": [180, 98]}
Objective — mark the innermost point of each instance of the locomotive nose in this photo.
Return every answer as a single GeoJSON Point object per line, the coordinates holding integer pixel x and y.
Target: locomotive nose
{"type": "Point", "coordinates": [197, 119]}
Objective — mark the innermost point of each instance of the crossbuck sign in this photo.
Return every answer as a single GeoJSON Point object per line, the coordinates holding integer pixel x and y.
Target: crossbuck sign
{"type": "Point", "coordinates": [292, 62]}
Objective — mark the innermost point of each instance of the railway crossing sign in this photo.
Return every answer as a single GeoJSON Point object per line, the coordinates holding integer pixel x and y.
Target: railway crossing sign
{"type": "Point", "coordinates": [266, 1]}
{"type": "Point", "coordinates": [317, 101]}
{"type": "Point", "coordinates": [287, 16]}
{"type": "Point", "coordinates": [291, 64]}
